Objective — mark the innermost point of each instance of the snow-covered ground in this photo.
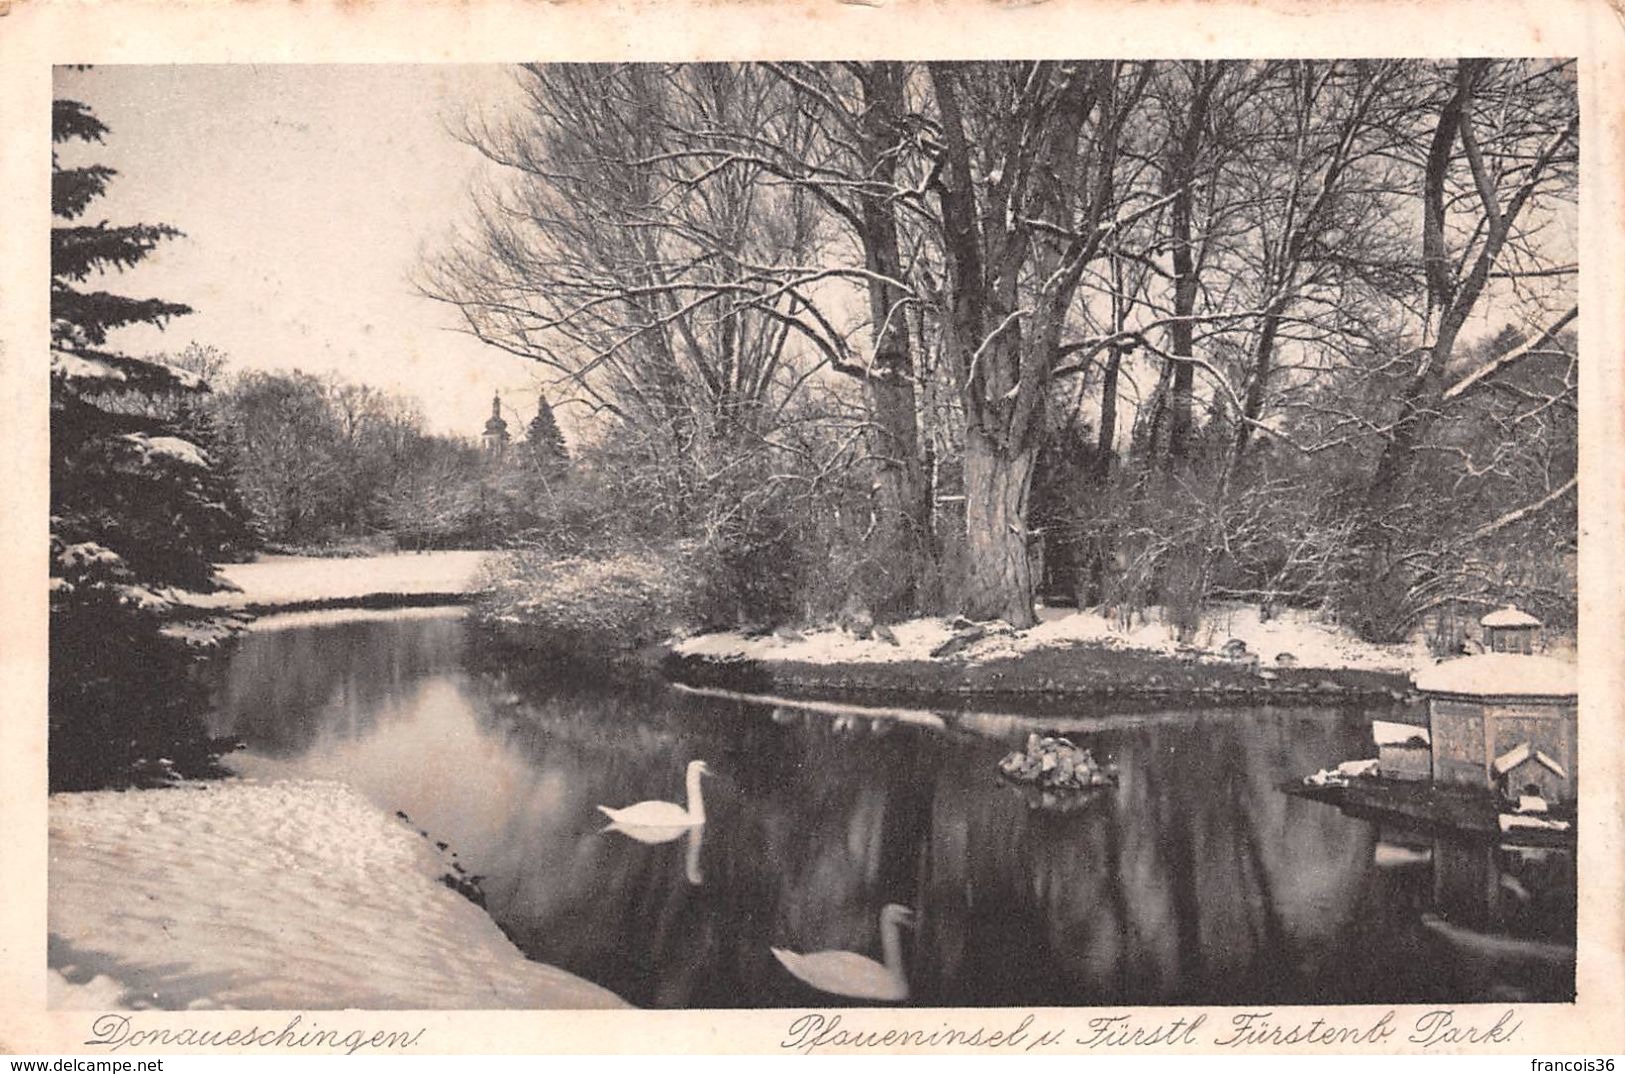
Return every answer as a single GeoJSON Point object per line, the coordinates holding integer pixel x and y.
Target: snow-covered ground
{"type": "Point", "coordinates": [280, 895]}
{"type": "Point", "coordinates": [1313, 644]}
{"type": "Point", "coordinates": [276, 580]}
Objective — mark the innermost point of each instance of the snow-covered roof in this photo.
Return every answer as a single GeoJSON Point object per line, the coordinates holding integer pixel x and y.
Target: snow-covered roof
{"type": "Point", "coordinates": [1511, 759]}
{"type": "Point", "coordinates": [1511, 615]}
{"type": "Point", "coordinates": [1520, 753]}
{"type": "Point", "coordinates": [1388, 733]}
{"type": "Point", "coordinates": [1501, 675]}
{"type": "Point", "coordinates": [1544, 758]}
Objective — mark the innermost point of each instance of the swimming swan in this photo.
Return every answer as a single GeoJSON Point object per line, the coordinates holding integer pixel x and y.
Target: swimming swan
{"type": "Point", "coordinates": [665, 814]}
{"type": "Point", "coordinates": [846, 973]}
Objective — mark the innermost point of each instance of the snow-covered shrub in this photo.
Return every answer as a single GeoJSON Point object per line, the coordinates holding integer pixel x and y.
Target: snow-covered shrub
{"type": "Point", "coordinates": [591, 608]}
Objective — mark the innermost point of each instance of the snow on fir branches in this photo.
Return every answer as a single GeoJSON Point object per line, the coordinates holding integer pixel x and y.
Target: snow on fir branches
{"type": "Point", "coordinates": [137, 509]}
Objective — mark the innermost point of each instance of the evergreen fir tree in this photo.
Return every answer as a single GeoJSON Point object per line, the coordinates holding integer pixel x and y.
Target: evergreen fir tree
{"type": "Point", "coordinates": [198, 418]}
{"type": "Point", "coordinates": [545, 440]}
{"type": "Point", "coordinates": [136, 509]}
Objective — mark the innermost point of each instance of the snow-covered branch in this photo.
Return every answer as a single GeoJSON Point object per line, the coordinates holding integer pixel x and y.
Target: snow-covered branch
{"type": "Point", "coordinates": [1511, 358]}
{"type": "Point", "coordinates": [1525, 511]}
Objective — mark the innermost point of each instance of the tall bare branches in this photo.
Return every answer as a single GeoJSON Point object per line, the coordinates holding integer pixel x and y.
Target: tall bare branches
{"type": "Point", "coordinates": [1310, 255]}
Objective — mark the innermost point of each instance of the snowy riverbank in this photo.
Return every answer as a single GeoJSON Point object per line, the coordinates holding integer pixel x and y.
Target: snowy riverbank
{"type": "Point", "coordinates": [280, 895]}
{"type": "Point", "coordinates": [1235, 658]}
{"type": "Point", "coordinates": [310, 581]}
{"type": "Point", "coordinates": [1310, 643]}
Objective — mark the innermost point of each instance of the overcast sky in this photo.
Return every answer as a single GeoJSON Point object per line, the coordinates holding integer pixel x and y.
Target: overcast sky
{"type": "Point", "coordinates": [306, 194]}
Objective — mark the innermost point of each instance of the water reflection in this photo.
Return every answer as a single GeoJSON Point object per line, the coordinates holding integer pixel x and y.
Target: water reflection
{"type": "Point", "coordinates": [1194, 880]}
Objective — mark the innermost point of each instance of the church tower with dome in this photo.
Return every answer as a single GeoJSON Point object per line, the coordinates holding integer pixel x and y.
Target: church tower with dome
{"type": "Point", "coordinates": [496, 430]}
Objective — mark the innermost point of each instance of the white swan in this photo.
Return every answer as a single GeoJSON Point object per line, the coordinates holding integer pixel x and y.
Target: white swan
{"type": "Point", "coordinates": [846, 973]}
{"type": "Point", "coordinates": [663, 815]}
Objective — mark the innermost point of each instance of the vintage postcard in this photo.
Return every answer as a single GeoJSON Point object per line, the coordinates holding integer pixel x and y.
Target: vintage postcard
{"type": "Point", "coordinates": [1078, 528]}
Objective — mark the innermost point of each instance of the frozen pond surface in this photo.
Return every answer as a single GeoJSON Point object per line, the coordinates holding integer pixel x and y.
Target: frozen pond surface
{"type": "Point", "coordinates": [1194, 881]}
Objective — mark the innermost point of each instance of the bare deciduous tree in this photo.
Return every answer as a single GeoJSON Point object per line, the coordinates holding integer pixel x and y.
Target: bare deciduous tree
{"type": "Point", "coordinates": [1027, 196]}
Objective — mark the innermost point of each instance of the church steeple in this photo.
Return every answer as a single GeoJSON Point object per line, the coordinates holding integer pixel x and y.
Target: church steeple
{"type": "Point", "coordinates": [496, 430]}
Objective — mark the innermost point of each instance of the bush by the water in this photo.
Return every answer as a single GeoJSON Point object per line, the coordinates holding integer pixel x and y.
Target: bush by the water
{"type": "Point", "coordinates": [590, 608]}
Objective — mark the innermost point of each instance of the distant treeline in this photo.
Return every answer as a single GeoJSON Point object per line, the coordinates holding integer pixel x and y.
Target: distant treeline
{"type": "Point", "coordinates": [324, 461]}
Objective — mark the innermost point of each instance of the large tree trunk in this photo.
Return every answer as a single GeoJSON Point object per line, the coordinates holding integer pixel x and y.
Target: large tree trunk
{"type": "Point", "coordinates": [1001, 345]}
{"type": "Point", "coordinates": [905, 529]}
{"type": "Point", "coordinates": [998, 574]}
{"type": "Point", "coordinates": [1106, 442]}
{"type": "Point", "coordinates": [1180, 577]}
{"type": "Point", "coordinates": [1263, 355]}
{"type": "Point", "coordinates": [1381, 613]}
{"type": "Point", "coordinates": [905, 533]}
{"type": "Point", "coordinates": [1184, 375]}
{"type": "Point", "coordinates": [1181, 176]}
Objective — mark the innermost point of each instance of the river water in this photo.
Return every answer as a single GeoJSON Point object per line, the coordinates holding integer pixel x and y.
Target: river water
{"type": "Point", "coordinates": [1195, 881]}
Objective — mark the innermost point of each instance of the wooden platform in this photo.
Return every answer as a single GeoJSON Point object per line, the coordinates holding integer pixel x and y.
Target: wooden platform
{"type": "Point", "coordinates": [1435, 806]}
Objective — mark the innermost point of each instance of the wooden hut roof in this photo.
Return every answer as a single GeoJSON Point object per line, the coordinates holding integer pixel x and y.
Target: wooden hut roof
{"type": "Point", "coordinates": [1501, 675]}
{"type": "Point", "coordinates": [1510, 616]}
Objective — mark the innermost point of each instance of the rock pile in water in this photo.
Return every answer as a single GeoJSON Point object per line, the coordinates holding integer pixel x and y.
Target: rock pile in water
{"type": "Point", "coordinates": [1055, 763]}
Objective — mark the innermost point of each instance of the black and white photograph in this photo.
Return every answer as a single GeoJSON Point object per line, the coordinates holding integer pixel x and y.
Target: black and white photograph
{"type": "Point", "coordinates": [820, 535]}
